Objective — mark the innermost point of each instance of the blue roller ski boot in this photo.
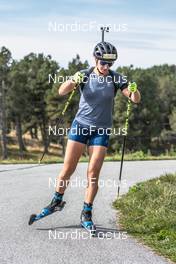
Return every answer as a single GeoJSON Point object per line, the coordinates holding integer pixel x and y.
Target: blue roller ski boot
{"type": "Point", "coordinates": [56, 205]}
{"type": "Point", "coordinates": [86, 219]}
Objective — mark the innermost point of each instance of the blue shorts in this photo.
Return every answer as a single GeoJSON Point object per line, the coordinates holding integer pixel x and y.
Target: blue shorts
{"type": "Point", "coordinates": [89, 135]}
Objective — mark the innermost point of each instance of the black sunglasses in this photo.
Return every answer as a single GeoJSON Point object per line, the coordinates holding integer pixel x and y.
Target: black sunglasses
{"type": "Point", "coordinates": [103, 63]}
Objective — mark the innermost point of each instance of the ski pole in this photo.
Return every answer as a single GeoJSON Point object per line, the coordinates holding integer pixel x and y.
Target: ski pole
{"type": "Point", "coordinates": [61, 116]}
{"type": "Point", "coordinates": [103, 29]}
{"type": "Point", "coordinates": [124, 142]}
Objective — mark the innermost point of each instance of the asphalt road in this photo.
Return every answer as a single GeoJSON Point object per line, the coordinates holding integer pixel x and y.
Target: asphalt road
{"type": "Point", "coordinates": [25, 189]}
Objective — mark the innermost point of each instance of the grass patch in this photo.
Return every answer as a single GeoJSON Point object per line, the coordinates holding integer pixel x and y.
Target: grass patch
{"type": "Point", "coordinates": [35, 149]}
{"type": "Point", "coordinates": [148, 211]}
{"type": "Point", "coordinates": [33, 155]}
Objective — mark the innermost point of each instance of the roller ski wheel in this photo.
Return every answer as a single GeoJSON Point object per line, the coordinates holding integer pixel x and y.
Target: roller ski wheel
{"type": "Point", "coordinates": [46, 211]}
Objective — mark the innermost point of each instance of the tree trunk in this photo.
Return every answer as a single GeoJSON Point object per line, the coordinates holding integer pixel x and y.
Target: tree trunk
{"type": "Point", "coordinates": [31, 132]}
{"type": "Point", "coordinates": [3, 128]}
{"type": "Point", "coordinates": [44, 136]}
{"type": "Point", "coordinates": [35, 132]}
{"type": "Point", "coordinates": [19, 135]}
{"type": "Point", "coordinates": [62, 142]}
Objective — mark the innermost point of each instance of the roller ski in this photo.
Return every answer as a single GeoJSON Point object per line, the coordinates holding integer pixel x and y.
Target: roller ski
{"type": "Point", "coordinates": [86, 219]}
{"type": "Point", "coordinates": [56, 205]}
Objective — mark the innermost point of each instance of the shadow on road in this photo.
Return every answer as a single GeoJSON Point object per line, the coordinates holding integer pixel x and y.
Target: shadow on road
{"type": "Point", "coordinates": [101, 232]}
{"type": "Point", "coordinates": [25, 168]}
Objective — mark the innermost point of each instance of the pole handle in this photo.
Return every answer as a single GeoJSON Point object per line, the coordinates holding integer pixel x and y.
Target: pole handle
{"type": "Point", "coordinates": [103, 29]}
